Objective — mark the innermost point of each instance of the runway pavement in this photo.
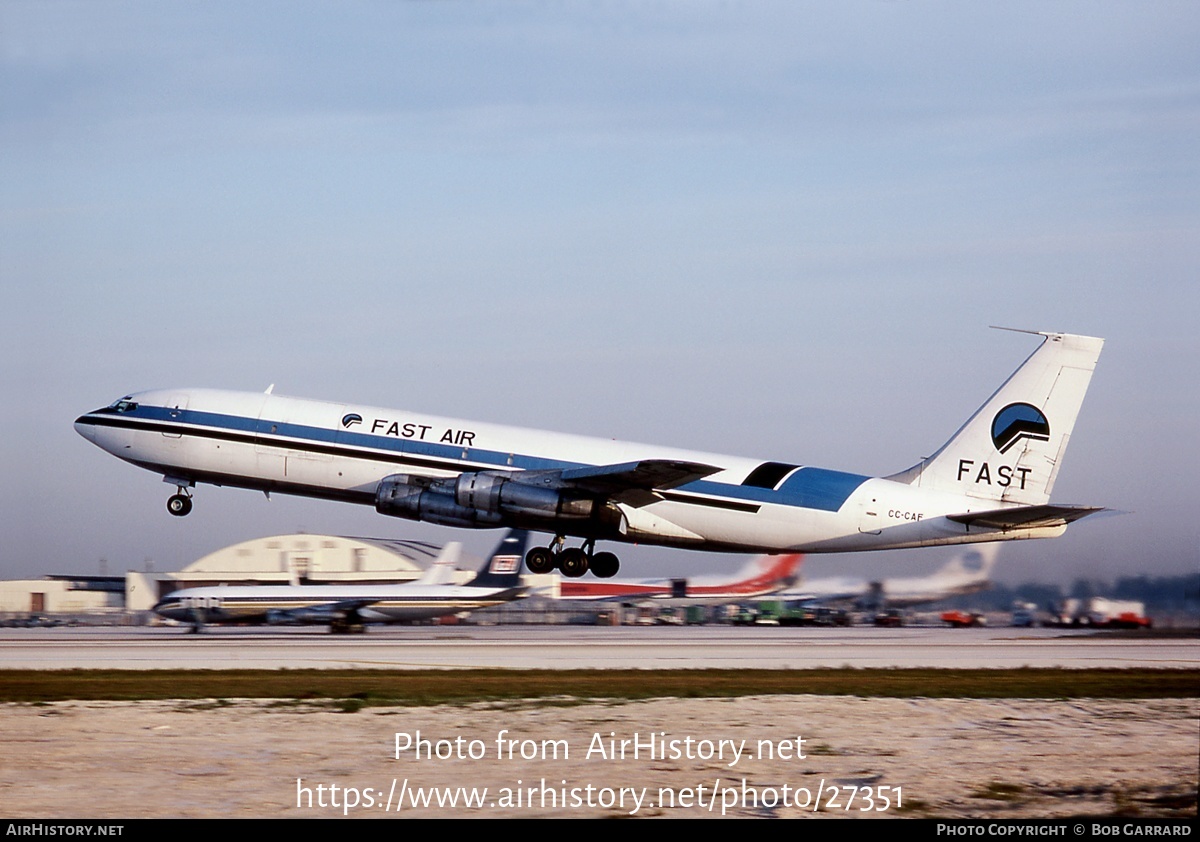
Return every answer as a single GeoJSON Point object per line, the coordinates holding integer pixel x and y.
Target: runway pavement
{"type": "Point", "coordinates": [575, 647]}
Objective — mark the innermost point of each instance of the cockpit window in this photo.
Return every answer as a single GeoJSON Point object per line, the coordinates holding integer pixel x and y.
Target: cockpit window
{"type": "Point", "coordinates": [124, 405]}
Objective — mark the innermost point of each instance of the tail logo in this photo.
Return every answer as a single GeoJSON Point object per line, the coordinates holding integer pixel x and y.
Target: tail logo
{"type": "Point", "coordinates": [1019, 421]}
{"type": "Point", "coordinates": [504, 564]}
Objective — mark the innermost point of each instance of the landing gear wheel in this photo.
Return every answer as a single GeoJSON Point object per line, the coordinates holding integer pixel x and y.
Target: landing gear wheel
{"type": "Point", "coordinates": [605, 565]}
{"type": "Point", "coordinates": [179, 504]}
{"type": "Point", "coordinates": [539, 560]}
{"type": "Point", "coordinates": [573, 562]}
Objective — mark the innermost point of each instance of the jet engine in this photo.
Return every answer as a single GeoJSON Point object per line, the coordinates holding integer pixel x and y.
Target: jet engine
{"type": "Point", "coordinates": [493, 493]}
{"type": "Point", "coordinates": [420, 498]}
{"type": "Point", "coordinates": [315, 616]}
{"type": "Point", "coordinates": [478, 500]}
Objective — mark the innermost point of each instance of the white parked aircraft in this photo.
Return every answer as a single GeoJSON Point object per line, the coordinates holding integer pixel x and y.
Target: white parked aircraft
{"type": "Point", "coordinates": [968, 572]}
{"type": "Point", "coordinates": [349, 607]}
{"type": "Point", "coordinates": [990, 482]}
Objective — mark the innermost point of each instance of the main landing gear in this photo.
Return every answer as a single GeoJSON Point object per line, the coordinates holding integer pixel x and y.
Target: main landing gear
{"type": "Point", "coordinates": [572, 561]}
{"type": "Point", "coordinates": [347, 626]}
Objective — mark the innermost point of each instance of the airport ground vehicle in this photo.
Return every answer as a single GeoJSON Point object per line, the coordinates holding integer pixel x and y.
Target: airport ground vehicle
{"type": "Point", "coordinates": [893, 618]}
{"type": "Point", "coordinates": [1102, 613]}
{"type": "Point", "coordinates": [963, 619]}
{"type": "Point", "coordinates": [1024, 614]}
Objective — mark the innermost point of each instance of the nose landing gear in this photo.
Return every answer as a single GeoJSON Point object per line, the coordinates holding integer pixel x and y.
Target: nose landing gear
{"type": "Point", "coordinates": [179, 504]}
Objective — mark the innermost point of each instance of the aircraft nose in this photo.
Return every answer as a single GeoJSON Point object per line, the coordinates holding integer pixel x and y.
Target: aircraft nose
{"type": "Point", "coordinates": [85, 428]}
{"type": "Point", "coordinates": [167, 607]}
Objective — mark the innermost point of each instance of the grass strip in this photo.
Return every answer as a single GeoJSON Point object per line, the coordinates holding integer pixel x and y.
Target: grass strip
{"type": "Point", "coordinates": [426, 687]}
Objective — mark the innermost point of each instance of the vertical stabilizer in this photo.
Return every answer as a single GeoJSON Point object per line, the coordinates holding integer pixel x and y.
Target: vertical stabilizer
{"type": "Point", "coordinates": [442, 571]}
{"type": "Point", "coordinates": [1012, 447]}
{"type": "Point", "coordinates": [503, 567]}
{"type": "Point", "coordinates": [768, 571]}
{"type": "Point", "coordinates": [973, 564]}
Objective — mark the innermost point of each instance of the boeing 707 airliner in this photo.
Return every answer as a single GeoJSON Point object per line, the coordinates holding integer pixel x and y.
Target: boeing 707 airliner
{"type": "Point", "coordinates": [970, 571]}
{"type": "Point", "coordinates": [350, 607]}
{"type": "Point", "coordinates": [990, 482]}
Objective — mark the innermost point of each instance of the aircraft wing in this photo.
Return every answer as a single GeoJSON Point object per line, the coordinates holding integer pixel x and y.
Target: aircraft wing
{"type": "Point", "coordinates": [635, 482]}
{"type": "Point", "coordinates": [509, 594]}
{"type": "Point", "coordinates": [811, 598]}
{"type": "Point", "coordinates": [1025, 517]}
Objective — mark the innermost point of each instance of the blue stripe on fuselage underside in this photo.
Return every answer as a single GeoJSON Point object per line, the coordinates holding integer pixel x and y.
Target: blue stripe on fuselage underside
{"type": "Point", "coordinates": [808, 488]}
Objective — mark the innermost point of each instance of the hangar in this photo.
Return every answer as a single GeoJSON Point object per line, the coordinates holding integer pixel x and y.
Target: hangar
{"type": "Point", "coordinates": [274, 560]}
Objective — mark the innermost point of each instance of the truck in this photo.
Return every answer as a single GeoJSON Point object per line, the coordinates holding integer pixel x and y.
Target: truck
{"type": "Point", "coordinates": [963, 619]}
{"type": "Point", "coordinates": [1099, 612]}
{"type": "Point", "coordinates": [1024, 614]}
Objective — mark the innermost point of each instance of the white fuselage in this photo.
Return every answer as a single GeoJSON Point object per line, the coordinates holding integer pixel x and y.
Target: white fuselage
{"type": "Point", "coordinates": [343, 451]}
{"type": "Point", "coordinates": [373, 603]}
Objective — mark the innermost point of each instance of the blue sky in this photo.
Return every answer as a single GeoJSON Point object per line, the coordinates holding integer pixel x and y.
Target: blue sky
{"type": "Point", "coordinates": [770, 229]}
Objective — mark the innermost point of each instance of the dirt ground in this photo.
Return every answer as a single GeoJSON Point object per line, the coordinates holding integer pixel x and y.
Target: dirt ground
{"type": "Point", "coordinates": [756, 756]}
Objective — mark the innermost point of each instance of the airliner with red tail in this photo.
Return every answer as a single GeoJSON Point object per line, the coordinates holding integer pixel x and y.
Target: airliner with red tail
{"type": "Point", "coordinates": [761, 576]}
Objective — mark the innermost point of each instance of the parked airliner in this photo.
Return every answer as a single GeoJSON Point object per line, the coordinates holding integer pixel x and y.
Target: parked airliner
{"type": "Point", "coordinates": [762, 575]}
{"type": "Point", "coordinates": [349, 607]}
{"type": "Point", "coordinates": [968, 572]}
{"type": "Point", "coordinates": [990, 482]}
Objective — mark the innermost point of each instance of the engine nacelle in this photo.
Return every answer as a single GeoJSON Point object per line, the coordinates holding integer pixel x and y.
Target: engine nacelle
{"type": "Point", "coordinates": [478, 500]}
{"type": "Point", "coordinates": [402, 495]}
{"type": "Point", "coordinates": [497, 494]}
{"type": "Point", "coordinates": [303, 616]}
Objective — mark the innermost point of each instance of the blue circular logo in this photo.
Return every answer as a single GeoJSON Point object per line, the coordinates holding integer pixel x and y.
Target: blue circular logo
{"type": "Point", "coordinates": [1016, 422]}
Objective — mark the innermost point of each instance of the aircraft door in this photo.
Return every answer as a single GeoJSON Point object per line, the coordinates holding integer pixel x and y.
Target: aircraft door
{"type": "Point", "coordinates": [268, 457]}
{"type": "Point", "coordinates": [176, 404]}
{"type": "Point", "coordinates": [870, 522]}
{"type": "Point", "coordinates": [174, 447]}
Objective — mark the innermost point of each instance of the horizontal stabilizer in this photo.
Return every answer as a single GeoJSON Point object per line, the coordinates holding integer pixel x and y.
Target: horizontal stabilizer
{"type": "Point", "coordinates": [1025, 517]}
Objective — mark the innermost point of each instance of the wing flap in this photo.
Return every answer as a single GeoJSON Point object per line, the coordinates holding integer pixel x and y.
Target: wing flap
{"type": "Point", "coordinates": [635, 482]}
